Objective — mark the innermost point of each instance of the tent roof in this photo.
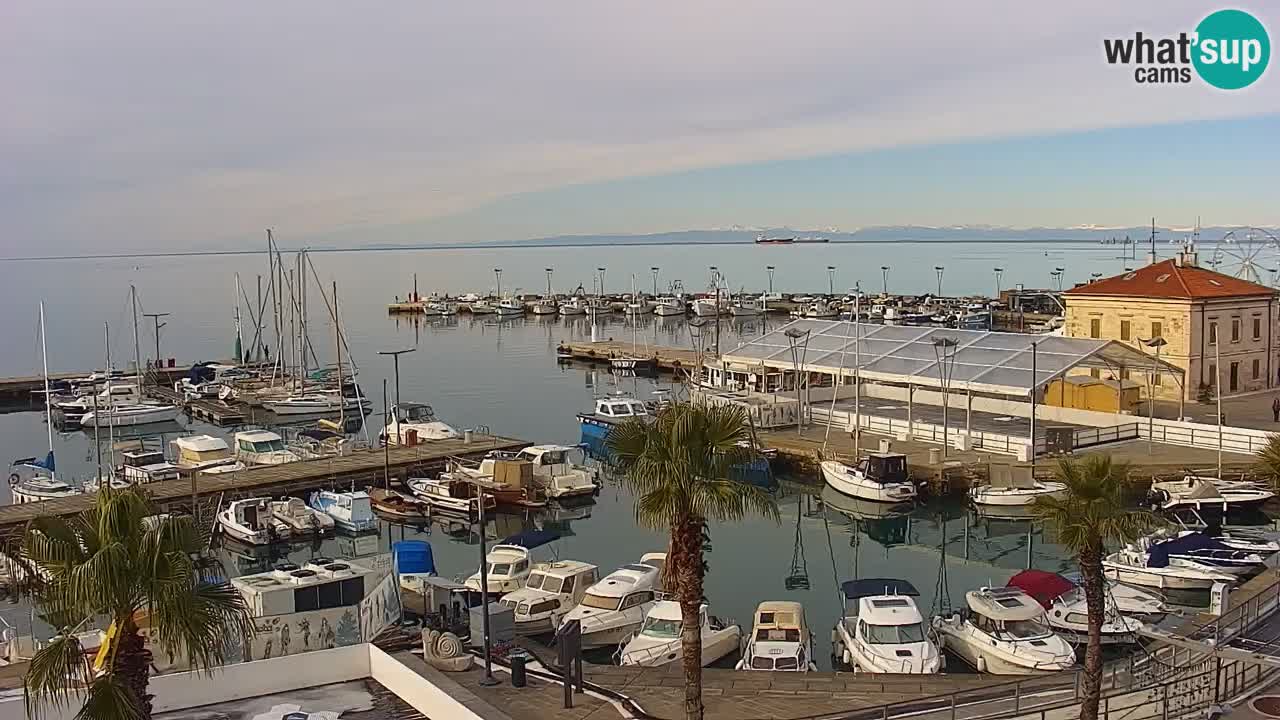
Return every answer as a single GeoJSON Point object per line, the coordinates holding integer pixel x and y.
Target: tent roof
{"type": "Point", "coordinates": [980, 360]}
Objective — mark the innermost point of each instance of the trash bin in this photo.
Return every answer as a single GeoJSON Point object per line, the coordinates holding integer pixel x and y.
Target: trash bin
{"type": "Point", "coordinates": [885, 445]}
{"type": "Point", "coordinates": [518, 660]}
{"type": "Point", "coordinates": [935, 456]}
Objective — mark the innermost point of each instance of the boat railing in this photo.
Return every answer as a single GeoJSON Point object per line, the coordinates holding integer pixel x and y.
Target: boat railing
{"type": "Point", "coordinates": [641, 657]}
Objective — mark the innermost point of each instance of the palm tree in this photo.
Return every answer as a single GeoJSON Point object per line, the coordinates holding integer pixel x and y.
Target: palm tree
{"type": "Point", "coordinates": [120, 561]}
{"type": "Point", "coordinates": [1268, 463]}
{"type": "Point", "coordinates": [677, 467]}
{"type": "Point", "coordinates": [1094, 511]}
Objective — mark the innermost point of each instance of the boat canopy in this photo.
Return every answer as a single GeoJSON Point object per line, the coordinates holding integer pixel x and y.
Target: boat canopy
{"type": "Point", "coordinates": [1043, 586]}
{"type": "Point", "coordinates": [1005, 604]}
{"type": "Point", "coordinates": [530, 539]}
{"type": "Point", "coordinates": [1158, 555]}
{"type": "Point", "coordinates": [868, 587]}
{"type": "Point", "coordinates": [886, 467]}
{"type": "Point", "coordinates": [780, 620]}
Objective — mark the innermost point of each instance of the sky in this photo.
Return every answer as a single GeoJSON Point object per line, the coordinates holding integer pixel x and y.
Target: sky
{"type": "Point", "coordinates": [145, 124]}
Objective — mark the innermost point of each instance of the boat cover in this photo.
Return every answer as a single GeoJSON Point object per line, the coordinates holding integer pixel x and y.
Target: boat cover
{"type": "Point", "coordinates": [868, 587]}
{"type": "Point", "coordinates": [1159, 554]}
{"type": "Point", "coordinates": [1005, 604]}
{"type": "Point", "coordinates": [1043, 586]}
{"type": "Point", "coordinates": [201, 373]}
{"type": "Point", "coordinates": [530, 539]}
{"type": "Point", "coordinates": [413, 556]}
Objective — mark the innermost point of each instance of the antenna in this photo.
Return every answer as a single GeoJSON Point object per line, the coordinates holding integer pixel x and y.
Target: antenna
{"type": "Point", "coordinates": [1151, 260]}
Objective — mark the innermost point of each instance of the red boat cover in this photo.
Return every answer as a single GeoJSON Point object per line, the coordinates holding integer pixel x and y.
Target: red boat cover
{"type": "Point", "coordinates": [1041, 585]}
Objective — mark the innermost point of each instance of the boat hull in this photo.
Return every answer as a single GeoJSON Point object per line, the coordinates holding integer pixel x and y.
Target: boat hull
{"type": "Point", "coordinates": [161, 414]}
{"type": "Point", "coordinates": [844, 483]}
{"type": "Point", "coordinates": [996, 497]}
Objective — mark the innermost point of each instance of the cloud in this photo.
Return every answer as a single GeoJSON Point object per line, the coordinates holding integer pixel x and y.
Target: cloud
{"type": "Point", "coordinates": [149, 124]}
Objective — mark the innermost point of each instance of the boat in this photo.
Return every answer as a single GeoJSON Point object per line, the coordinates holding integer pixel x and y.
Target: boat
{"type": "Point", "coordinates": [634, 363]}
{"type": "Point", "coordinates": [250, 521]}
{"type": "Point", "coordinates": [205, 453]}
{"type": "Point", "coordinates": [575, 305]}
{"type": "Point", "coordinates": [882, 630]}
{"type": "Point", "coordinates": [142, 466]}
{"type": "Point", "coordinates": [440, 309]}
{"type": "Point", "coordinates": [609, 410]}
{"type": "Point", "coordinates": [1204, 493]}
{"type": "Point", "coordinates": [114, 392]}
{"type": "Point", "coordinates": [658, 641]}
{"type": "Point", "coordinates": [128, 415]}
{"type": "Point", "coordinates": [780, 639]}
{"type": "Point", "coordinates": [483, 307]}
{"type": "Point", "coordinates": [1067, 610]}
{"type": "Point", "coordinates": [38, 487]}
{"type": "Point", "coordinates": [748, 306]}
{"type": "Point", "coordinates": [412, 423]}
{"type": "Point", "coordinates": [510, 482]}
{"type": "Point", "coordinates": [549, 593]}
{"type": "Point", "coordinates": [317, 443]}
{"type": "Point", "coordinates": [262, 447]}
{"type": "Point", "coordinates": [508, 568]}
{"type": "Point", "coordinates": [510, 307]}
{"type": "Point", "coordinates": [638, 306]}
{"type": "Point", "coordinates": [1004, 634]}
{"type": "Point", "coordinates": [1155, 569]}
{"type": "Point", "coordinates": [1204, 549]}
{"type": "Point", "coordinates": [769, 240]}
{"type": "Point", "coordinates": [553, 470]}
{"type": "Point", "coordinates": [1015, 489]}
{"type": "Point", "coordinates": [301, 519]}
{"type": "Point", "coordinates": [316, 403]}
{"type": "Point", "coordinates": [1130, 599]}
{"type": "Point", "coordinates": [351, 511]}
{"type": "Point", "coordinates": [880, 477]}
{"type": "Point", "coordinates": [546, 306]}
{"type": "Point", "coordinates": [706, 307]}
{"type": "Point", "coordinates": [819, 309]}
{"type": "Point", "coordinates": [613, 609]}
{"type": "Point", "coordinates": [98, 482]}
{"type": "Point", "coordinates": [449, 495]}
{"type": "Point", "coordinates": [669, 305]}
{"type": "Point", "coordinates": [397, 505]}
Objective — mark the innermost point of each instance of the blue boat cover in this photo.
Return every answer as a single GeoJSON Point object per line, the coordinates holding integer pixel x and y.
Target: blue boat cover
{"type": "Point", "coordinates": [866, 587]}
{"type": "Point", "coordinates": [413, 556]}
{"type": "Point", "coordinates": [201, 373]}
{"type": "Point", "coordinates": [531, 539]}
{"type": "Point", "coordinates": [1160, 552]}
{"type": "Point", "coordinates": [45, 464]}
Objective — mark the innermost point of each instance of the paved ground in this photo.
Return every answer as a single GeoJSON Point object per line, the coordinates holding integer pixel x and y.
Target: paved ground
{"type": "Point", "coordinates": [1251, 411]}
{"type": "Point", "coordinates": [981, 421]}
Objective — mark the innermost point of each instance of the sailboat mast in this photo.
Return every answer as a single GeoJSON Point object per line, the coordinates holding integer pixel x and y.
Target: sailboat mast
{"type": "Point", "coordinates": [337, 347]}
{"type": "Point", "coordinates": [48, 399]}
{"type": "Point", "coordinates": [239, 336]}
{"type": "Point", "coordinates": [137, 350]}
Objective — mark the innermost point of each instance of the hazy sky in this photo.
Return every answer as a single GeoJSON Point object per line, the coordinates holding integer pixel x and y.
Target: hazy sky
{"type": "Point", "coordinates": [137, 124]}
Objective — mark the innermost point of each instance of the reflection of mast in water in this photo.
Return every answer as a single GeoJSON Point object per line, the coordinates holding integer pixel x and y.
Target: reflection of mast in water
{"type": "Point", "coordinates": [942, 587]}
{"type": "Point", "coordinates": [798, 577]}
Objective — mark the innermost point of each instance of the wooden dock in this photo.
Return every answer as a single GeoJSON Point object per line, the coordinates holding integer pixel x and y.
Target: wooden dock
{"type": "Point", "coordinates": [670, 359]}
{"type": "Point", "coordinates": [213, 411]}
{"type": "Point", "coordinates": [20, 393]}
{"type": "Point", "coordinates": [360, 469]}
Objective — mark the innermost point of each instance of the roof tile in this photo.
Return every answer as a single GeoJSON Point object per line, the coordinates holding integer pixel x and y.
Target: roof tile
{"type": "Point", "coordinates": [1166, 279]}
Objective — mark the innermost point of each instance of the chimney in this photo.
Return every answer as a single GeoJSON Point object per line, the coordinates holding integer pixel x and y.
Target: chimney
{"type": "Point", "coordinates": [1187, 257]}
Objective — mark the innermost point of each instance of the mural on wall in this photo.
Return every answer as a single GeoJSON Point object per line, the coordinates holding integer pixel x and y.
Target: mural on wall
{"type": "Point", "coordinates": [328, 702]}
{"type": "Point", "coordinates": [381, 608]}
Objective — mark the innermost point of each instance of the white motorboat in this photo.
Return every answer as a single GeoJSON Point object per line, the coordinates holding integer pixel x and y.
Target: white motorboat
{"type": "Point", "coordinates": [609, 410]}
{"type": "Point", "coordinates": [38, 487]}
{"type": "Point", "coordinates": [780, 639]}
{"type": "Point", "coordinates": [669, 306]}
{"type": "Point", "coordinates": [508, 569]}
{"type": "Point", "coordinates": [98, 482]}
{"type": "Point", "coordinates": [316, 403]}
{"type": "Point", "coordinates": [205, 453]}
{"type": "Point", "coordinates": [301, 519]}
{"type": "Point", "coordinates": [819, 309]}
{"type": "Point", "coordinates": [350, 511]}
{"type": "Point", "coordinates": [612, 610]}
{"type": "Point", "coordinates": [549, 593]}
{"type": "Point", "coordinates": [1136, 567]}
{"type": "Point", "coordinates": [1200, 549]}
{"type": "Point", "coordinates": [415, 423]}
{"type": "Point", "coordinates": [130, 415]}
{"type": "Point", "coordinates": [144, 466]}
{"type": "Point", "coordinates": [575, 305]}
{"type": "Point", "coordinates": [706, 307]}
{"type": "Point", "coordinates": [553, 470]}
{"type": "Point", "coordinates": [880, 477]}
{"type": "Point", "coordinates": [450, 495]}
{"type": "Point", "coordinates": [251, 521]}
{"type": "Point", "coordinates": [113, 393]}
{"type": "Point", "coordinates": [483, 307]}
{"type": "Point", "coordinates": [510, 307]}
{"type": "Point", "coordinates": [658, 642]}
{"type": "Point", "coordinates": [747, 306]}
{"type": "Point", "coordinates": [1067, 610]}
{"type": "Point", "coordinates": [546, 306]}
{"type": "Point", "coordinates": [439, 309]}
{"type": "Point", "coordinates": [1202, 493]}
{"type": "Point", "coordinates": [1004, 633]}
{"type": "Point", "coordinates": [1016, 489]}
{"type": "Point", "coordinates": [1130, 599]}
{"type": "Point", "coordinates": [638, 305]}
{"type": "Point", "coordinates": [882, 630]}
{"type": "Point", "coordinates": [262, 447]}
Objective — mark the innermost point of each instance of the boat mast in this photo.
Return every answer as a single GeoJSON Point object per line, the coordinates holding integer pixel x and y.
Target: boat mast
{"type": "Point", "coordinates": [239, 337]}
{"type": "Point", "coordinates": [137, 350]}
{"type": "Point", "coordinates": [337, 350]}
{"type": "Point", "coordinates": [48, 399]}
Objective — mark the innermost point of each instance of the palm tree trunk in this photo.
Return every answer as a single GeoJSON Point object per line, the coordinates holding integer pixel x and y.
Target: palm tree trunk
{"type": "Point", "coordinates": [133, 665]}
{"type": "Point", "coordinates": [1094, 594]}
{"type": "Point", "coordinates": [686, 546]}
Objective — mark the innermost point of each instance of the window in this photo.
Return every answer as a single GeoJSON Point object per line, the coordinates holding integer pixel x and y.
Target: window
{"type": "Point", "coordinates": [1124, 329]}
{"type": "Point", "coordinates": [1213, 333]}
{"type": "Point", "coordinates": [567, 587]}
{"type": "Point", "coordinates": [1235, 330]}
{"type": "Point", "coordinates": [1157, 330]}
{"type": "Point", "coordinates": [894, 634]}
{"type": "Point", "coordinates": [1257, 328]}
{"type": "Point", "coordinates": [1095, 327]}
{"type": "Point", "coordinates": [635, 599]}
{"type": "Point", "coordinates": [545, 606]}
{"type": "Point", "coordinates": [520, 567]}
{"type": "Point", "coordinates": [1095, 373]}
{"type": "Point", "coordinates": [1256, 369]}
{"type": "Point", "coordinates": [601, 602]}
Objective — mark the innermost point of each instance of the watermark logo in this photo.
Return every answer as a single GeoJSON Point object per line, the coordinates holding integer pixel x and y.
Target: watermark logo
{"type": "Point", "coordinates": [1229, 50]}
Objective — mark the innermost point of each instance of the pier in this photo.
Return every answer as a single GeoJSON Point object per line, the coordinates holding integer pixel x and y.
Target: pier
{"type": "Point", "coordinates": [359, 469]}
{"type": "Point", "coordinates": [21, 393]}
{"type": "Point", "coordinates": [670, 359]}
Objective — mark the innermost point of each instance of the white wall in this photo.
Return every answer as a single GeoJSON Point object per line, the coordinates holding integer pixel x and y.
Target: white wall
{"type": "Point", "coordinates": [414, 689]}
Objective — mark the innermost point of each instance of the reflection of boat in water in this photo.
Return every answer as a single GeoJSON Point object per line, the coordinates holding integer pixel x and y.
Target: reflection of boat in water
{"type": "Point", "coordinates": [886, 524]}
{"type": "Point", "coordinates": [1004, 512]}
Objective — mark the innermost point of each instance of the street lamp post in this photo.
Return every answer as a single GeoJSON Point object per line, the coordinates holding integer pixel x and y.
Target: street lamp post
{"type": "Point", "coordinates": [798, 352]}
{"type": "Point", "coordinates": [395, 357]}
{"type": "Point", "coordinates": [831, 280]}
{"type": "Point", "coordinates": [601, 271]}
{"type": "Point", "coordinates": [488, 680]}
{"type": "Point", "coordinates": [1157, 343]}
{"type": "Point", "coordinates": [944, 348]}
{"type": "Point", "coordinates": [1060, 271]}
{"type": "Point", "coordinates": [939, 269]}
{"type": "Point", "coordinates": [654, 270]}
{"type": "Point", "coordinates": [497, 273]}
{"type": "Point", "coordinates": [550, 295]}
{"type": "Point", "coordinates": [999, 273]}
{"type": "Point", "coordinates": [770, 269]}
{"type": "Point", "coordinates": [884, 278]}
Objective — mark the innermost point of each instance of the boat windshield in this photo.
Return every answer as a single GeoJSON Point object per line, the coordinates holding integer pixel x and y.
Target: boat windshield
{"type": "Point", "coordinates": [535, 581]}
{"type": "Point", "coordinates": [500, 569]}
{"type": "Point", "coordinates": [420, 413]}
{"type": "Point", "coordinates": [601, 602]}
{"type": "Point", "coordinates": [1025, 629]}
{"type": "Point", "coordinates": [659, 628]}
{"type": "Point", "coordinates": [264, 446]}
{"type": "Point", "coordinates": [895, 634]}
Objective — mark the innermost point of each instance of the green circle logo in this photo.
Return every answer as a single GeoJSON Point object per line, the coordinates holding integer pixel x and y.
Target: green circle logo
{"type": "Point", "coordinates": [1232, 49]}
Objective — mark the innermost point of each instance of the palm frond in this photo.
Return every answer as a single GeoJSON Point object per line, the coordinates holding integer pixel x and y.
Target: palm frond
{"type": "Point", "coordinates": [109, 698]}
{"type": "Point", "coordinates": [56, 674]}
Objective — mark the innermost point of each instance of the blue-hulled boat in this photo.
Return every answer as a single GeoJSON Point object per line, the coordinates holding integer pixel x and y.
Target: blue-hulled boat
{"type": "Point", "coordinates": [609, 410]}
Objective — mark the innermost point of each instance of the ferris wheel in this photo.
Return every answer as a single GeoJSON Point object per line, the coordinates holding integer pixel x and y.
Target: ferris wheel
{"type": "Point", "coordinates": [1248, 253]}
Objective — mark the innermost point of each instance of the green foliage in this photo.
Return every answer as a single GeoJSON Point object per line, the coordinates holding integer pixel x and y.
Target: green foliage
{"type": "Point", "coordinates": [1268, 462]}
{"type": "Point", "coordinates": [1095, 510]}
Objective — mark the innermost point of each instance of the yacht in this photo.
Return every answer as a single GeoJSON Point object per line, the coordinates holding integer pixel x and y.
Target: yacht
{"type": "Point", "coordinates": [1130, 599]}
{"type": "Point", "coordinates": [609, 410]}
{"type": "Point", "coordinates": [450, 495]}
{"type": "Point", "coordinates": [706, 307]}
{"type": "Point", "coordinates": [747, 306]}
{"type": "Point", "coordinates": [780, 639]}
{"type": "Point", "coordinates": [1202, 549]}
{"type": "Point", "coordinates": [1015, 490]}
{"type": "Point", "coordinates": [549, 593]}
{"type": "Point", "coordinates": [1155, 569]}
{"type": "Point", "coordinates": [880, 477]}
{"type": "Point", "coordinates": [612, 610]}
{"type": "Point", "coordinates": [1004, 633]}
{"type": "Point", "coordinates": [301, 519]}
{"type": "Point", "coordinates": [416, 422]}
{"type": "Point", "coordinates": [658, 641]}
{"type": "Point", "coordinates": [575, 305]}
{"type": "Point", "coordinates": [350, 511]}
{"type": "Point", "coordinates": [398, 506]}
{"type": "Point", "coordinates": [129, 415]}
{"type": "Point", "coordinates": [1067, 611]}
{"type": "Point", "coordinates": [39, 488]}
{"type": "Point", "coordinates": [554, 469]}
{"type": "Point", "coordinates": [251, 521]}
{"type": "Point", "coordinates": [669, 305]}
{"type": "Point", "coordinates": [262, 447]}
{"type": "Point", "coordinates": [205, 453]}
{"type": "Point", "coordinates": [316, 403]}
{"type": "Point", "coordinates": [508, 569]}
{"type": "Point", "coordinates": [1202, 493]}
{"type": "Point", "coordinates": [882, 630]}
{"type": "Point", "coordinates": [510, 307]}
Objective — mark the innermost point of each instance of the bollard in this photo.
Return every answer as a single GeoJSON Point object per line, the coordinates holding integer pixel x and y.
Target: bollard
{"type": "Point", "coordinates": [935, 456]}
{"type": "Point", "coordinates": [466, 437]}
{"type": "Point", "coordinates": [518, 658]}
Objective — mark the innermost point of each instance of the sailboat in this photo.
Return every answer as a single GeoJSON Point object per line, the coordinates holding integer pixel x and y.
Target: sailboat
{"type": "Point", "coordinates": [140, 413]}
{"type": "Point", "coordinates": [43, 484]}
{"type": "Point", "coordinates": [547, 305]}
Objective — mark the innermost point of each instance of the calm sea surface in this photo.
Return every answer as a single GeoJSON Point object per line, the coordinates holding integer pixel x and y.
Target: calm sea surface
{"type": "Point", "coordinates": [504, 375]}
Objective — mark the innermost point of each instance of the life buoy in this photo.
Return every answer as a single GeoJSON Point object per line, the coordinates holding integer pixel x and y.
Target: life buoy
{"type": "Point", "coordinates": [14, 479]}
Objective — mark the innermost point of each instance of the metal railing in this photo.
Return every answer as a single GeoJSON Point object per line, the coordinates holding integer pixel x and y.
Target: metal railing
{"type": "Point", "coordinates": [1088, 437]}
{"type": "Point", "coordinates": [1234, 439]}
{"type": "Point", "coordinates": [1241, 617]}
